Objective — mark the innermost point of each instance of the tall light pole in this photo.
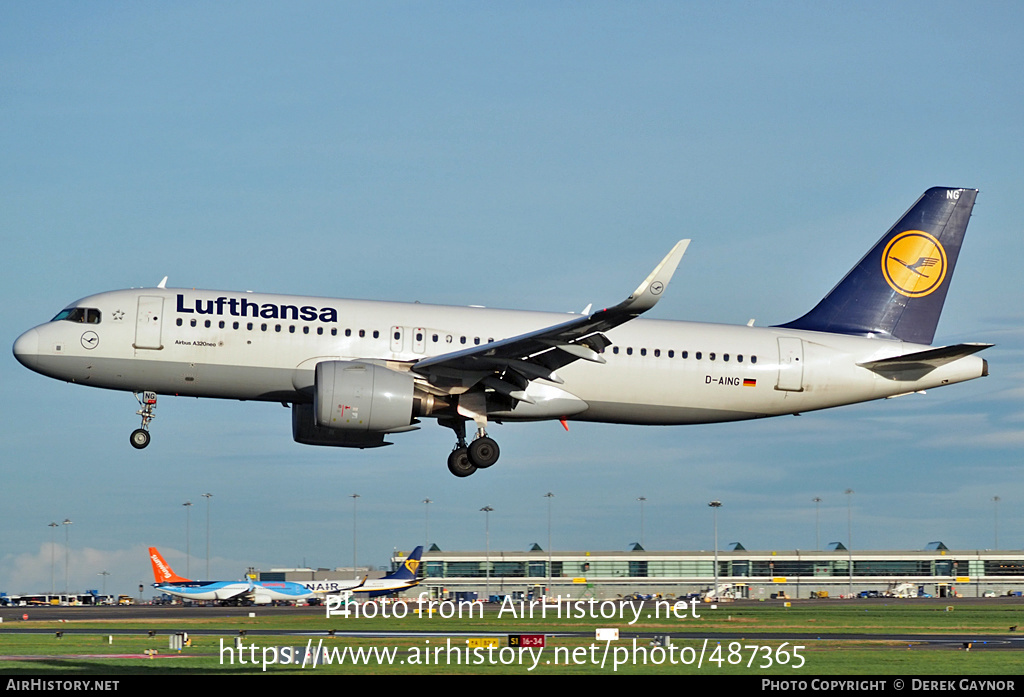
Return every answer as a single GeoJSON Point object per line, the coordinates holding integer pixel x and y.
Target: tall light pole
{"type": "Point", "coordinates": [849, 535]}
{"type": "Point", "coordinates": [487, 564]}
{"type": "Point", "coordinates": [53, 557]}
{"type": "Point", "coordinates": [188, 538]}
{"type": "Point", "coordinates": [207, 497]}
{"type": "Point", "coordinates": [355, 498]}
{"type": "Point", "coordinates": [104, 574]}
{"type": "Point", "coordinates": [715, 505]}
{"type": "Point", "coordinates": [817, 522]}
{"type": "Point", "coordinates": [995, 513]}
{"type": "Point", "coordinates": [642, 500]}
{"type": "Point", "coordinates": [426, 523]}
{"type": "Point", "coordinates": [67, 547]}
{"type": "Point", "coordinates": [549, 496]}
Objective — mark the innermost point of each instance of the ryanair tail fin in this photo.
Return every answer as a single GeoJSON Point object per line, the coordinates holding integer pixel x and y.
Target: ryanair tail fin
{"type": "Point", "coordinates": [162, 571]}
{"type": "Point", "coordinates": [407, 571]}
{"type": "Point", "coordinates": [898, 289]}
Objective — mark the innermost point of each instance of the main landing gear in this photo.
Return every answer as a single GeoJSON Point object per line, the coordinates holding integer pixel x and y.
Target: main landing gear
{"type": "Point", "coordinates": [140, 436]}
{"type": "Point", "coordinates": [466, 459]}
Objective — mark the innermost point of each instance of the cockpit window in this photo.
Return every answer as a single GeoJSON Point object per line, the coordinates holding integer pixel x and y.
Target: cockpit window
{"type": "Point", "coordinates": [81, 315]}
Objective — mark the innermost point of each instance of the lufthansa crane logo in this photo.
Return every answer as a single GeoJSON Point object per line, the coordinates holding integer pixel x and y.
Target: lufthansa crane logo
{"type": "Point", "coordinates": [914, 263]}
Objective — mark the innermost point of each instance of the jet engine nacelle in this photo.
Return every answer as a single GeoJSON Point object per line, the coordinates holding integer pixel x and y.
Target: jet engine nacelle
{"type": "Point", "coordinates": [305, 431]}
{"type": "Point", "coordinates": [362, 397]}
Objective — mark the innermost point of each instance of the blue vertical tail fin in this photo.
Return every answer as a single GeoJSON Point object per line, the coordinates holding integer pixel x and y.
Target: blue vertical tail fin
{"type": "Point", "coordinates": [407, 571]}
{"type": "Point", "coordinates": [897, 290]}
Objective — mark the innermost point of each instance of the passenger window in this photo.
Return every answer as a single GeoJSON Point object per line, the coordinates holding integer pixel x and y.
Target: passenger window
{"type": "Point", "coordinates": [179, 321]}
{"type": "Point", "coordinates": [697, 355]}
{"type": "Point", "coordinates": [753, 359]}
{"type": "Point", "coordinates": [643, 352]}
{"type": "Point", "coordinates": [685, 354]}
{"type": "Point", "coordinates": [671, 353]}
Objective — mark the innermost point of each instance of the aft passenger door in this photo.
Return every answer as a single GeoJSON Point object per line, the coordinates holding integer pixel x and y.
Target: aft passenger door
{"type": "Point", "coordinates": [791, 364]}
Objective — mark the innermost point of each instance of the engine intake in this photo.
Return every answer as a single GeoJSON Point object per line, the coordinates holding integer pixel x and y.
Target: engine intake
{"type": "Point", "coordinates": [362, 397]}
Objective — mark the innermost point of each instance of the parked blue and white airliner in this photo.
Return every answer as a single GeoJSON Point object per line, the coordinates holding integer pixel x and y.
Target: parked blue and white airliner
{"type": "Point", "coordinates": [265, 592]}
{"type": "Point", "coordinates": [355, 371]}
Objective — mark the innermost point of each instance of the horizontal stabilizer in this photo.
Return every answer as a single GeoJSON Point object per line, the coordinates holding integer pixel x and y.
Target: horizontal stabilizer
{"type": "Point", "coordinates": [911, 366]}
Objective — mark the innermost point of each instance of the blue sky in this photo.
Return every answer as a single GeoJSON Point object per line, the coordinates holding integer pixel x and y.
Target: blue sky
{"type": "Point", "coordinates": [531, 155]}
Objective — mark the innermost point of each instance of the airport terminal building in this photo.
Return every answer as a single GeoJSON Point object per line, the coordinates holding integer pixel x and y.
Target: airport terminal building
{"type": "Point", "coordinates": [936, 571]}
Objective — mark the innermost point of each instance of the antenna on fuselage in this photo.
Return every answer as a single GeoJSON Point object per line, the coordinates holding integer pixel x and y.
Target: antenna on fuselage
{"type": "Point", "coordinates": [163, 283]}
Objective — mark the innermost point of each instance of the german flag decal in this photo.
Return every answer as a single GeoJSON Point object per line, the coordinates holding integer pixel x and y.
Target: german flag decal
{"type": "Point", "coordinates": [749, 382]}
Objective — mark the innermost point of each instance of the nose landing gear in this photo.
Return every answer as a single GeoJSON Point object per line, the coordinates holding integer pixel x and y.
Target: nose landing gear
{"type": "Point", "coordinates": [140, 436]}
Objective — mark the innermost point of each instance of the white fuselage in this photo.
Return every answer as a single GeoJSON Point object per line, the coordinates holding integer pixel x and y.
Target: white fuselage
{"type": "Point", "coordinates": [259, 593]}
{"type": "Point", "coordinates": [246, 346]}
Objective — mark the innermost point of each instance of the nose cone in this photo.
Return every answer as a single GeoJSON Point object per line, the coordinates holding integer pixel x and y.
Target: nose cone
{"type": "Point", "coordinates": [26, 349]}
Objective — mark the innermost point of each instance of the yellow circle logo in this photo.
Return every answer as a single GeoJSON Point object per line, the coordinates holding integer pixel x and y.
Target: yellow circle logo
{"type": "Point", "coordinates": [914, 263]}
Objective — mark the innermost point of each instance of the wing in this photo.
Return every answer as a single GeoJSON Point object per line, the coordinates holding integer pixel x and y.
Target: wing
{"type": "Point", "coordinates": [347, 589]}
{"type": "Point", "coordinates": [509, 365]}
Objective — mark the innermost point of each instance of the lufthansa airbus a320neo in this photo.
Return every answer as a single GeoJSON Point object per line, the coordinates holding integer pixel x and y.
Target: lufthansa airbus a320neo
{"type": "Point", "coordinates": [355, 371]}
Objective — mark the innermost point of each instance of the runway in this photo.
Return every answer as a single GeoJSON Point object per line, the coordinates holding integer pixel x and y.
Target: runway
{"type": "Point", "coordinates": [163, 617]}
